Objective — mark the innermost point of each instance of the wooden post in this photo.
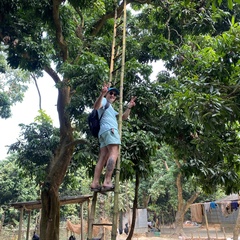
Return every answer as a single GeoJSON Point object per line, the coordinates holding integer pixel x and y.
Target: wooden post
{"type": "Point", "coordinates": [37, 224]}
{"type": "Point", "coordinates": [92, 215]}
{"type": "Point", "coordinates": [20, 224]}
{"type": "Point", "coordinates": [88, 217]}
{"type": "Point", "coordinates": [28, 224]}
{"type": "Point", "coordinates": [81, 221]}
{"type": "Point", "coordinates": [216, 233]}
{"type": "Point", "coordinates": [224, 232]}
{"type": "Point", "coordinates": [206, 220]}
{"type": "Point", "coordinates": [2, 221]}
{"type": "Point", "coordinates": [162, 222]}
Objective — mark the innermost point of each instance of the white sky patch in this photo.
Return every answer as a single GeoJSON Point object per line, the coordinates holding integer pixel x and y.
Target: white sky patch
{"type": "Point", "coordinates": [26, 111]}
{"type": "Point", "coordinates": [157, 67]}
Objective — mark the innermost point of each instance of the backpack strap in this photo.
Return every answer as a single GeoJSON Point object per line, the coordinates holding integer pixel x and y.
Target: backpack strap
{"type": "Point", "coordinates": [106, 107]}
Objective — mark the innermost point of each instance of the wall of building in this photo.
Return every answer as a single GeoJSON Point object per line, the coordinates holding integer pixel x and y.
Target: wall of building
{"type": "Point", "coordinates": [141, 225]}
{"type": "Point", "coordinates": [216, 216]}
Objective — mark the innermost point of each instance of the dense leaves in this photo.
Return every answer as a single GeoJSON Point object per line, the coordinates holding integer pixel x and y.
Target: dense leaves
{"type": "Point", "coordinates": [16, 186]}
{"type": "Point", "coordinates": [13, 84]}
{"type": "Point", "coordinates": [207, 104]}
{"type": "Point", "coordinates": [195, 109]}
{"type": "Point", "coordinates": [35, 148]}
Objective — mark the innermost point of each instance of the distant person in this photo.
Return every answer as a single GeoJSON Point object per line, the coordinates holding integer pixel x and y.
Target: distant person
{"type": "Point", "coordinates": [35, 236]}
{"type": "Point", "coordinates": [108, 137]}
{"type": "Point", "coordinates": [72, 238]}
{"type": "Point", "coordinates": [126, 229]}
{"type": "Point", "coordinates": [120, 231]}
{"type": "Point", "coordinates": [149, 224]}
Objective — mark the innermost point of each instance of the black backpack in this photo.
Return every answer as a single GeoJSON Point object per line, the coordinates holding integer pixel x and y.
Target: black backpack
{"type": "Point", "coordinates": [94, 121]}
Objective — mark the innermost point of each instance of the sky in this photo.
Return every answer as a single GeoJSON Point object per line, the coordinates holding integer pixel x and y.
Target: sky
{"type": "Point", "coordinates": [26, 111]}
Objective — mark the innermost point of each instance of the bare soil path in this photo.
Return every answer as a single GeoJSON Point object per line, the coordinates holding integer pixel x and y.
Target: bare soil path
{"type": "Point", "coordinates": [215, 232]}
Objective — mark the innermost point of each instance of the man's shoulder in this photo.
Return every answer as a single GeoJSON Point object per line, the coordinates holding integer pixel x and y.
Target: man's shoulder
{"type": "Point", "coordinates": [104, 101]}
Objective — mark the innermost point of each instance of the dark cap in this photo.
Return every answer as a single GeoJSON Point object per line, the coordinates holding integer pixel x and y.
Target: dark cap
{"type": "Point", "coordinates": [113, 89]}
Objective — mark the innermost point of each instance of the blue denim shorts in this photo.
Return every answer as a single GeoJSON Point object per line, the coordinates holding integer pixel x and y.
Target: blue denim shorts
{"type": "Point", "coordinates": [109, 137]}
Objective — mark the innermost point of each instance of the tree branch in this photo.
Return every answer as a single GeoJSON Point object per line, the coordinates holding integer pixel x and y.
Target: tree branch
{"type": "Point", "coordinates": [59, 34]}
{"type": "Point", "coordinates": [99, 24]}
{"type": "Point", "coordinates": [78, 141]}
{"type": "Point", "coordinates": [52, 74]}
{"type": "Point", "coordinates": [39, 94]}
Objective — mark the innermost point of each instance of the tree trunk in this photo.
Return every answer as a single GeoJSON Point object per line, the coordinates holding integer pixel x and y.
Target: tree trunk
{"type": "Point", "coordinates": [179, 223]}
{"type": "Point", "coordinates": [146, 199]}
{"type": "Point", "coordinates": [183, 206]}
{"type": "Point", "coordinates": [49, 225]}
{"type": "Point", "coordinates": [179, 218]}
{"type": "Point", "coordinates": [135, 205]}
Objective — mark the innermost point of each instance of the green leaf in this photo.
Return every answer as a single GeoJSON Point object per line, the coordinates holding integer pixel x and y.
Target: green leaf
{"type": "Point", "coordinates": [230, 4]}
{"type": "Point", "coordinates": [233, 20]}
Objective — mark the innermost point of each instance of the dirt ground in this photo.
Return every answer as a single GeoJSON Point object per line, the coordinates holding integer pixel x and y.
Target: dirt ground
{"type": "Point", "coordinates": [168, 237]}
{"type": "Point", "coordinates": [215, 232]}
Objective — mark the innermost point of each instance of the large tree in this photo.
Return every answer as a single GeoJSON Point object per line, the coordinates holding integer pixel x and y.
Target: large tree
{"type": "Point", "coordinates": [202, 107]}
{"type": "Point", "coordinates": [71, 41]}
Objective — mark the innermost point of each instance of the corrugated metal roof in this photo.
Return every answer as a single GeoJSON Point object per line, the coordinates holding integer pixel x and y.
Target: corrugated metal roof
{"type": "Point", "coordinates": [231, 197]}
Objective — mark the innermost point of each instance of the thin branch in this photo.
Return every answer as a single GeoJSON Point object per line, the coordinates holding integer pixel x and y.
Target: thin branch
{"type": "Point", "coordinates": [39, 94]}
{"type": "Point", "coordinates": [178, 34]}
{"type": "Point", "coordinates": [168, 20]}
{"type": "Point", "coordinates": [166, 165]}
{"type": "Point", "coordinates": [80, 26]}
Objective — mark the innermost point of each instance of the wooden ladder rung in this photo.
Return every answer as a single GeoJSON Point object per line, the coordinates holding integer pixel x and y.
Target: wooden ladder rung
{"type": "Point", "coordinates": [115, 70]}
{"type": "Point", "coordinates": [119, 24]}
{"type": "Point", "coordinates": [102, 224]}
{"type": "Point", "coordinates": [116, 57]}
{"type": "Point", "coordinates": [118, 45]}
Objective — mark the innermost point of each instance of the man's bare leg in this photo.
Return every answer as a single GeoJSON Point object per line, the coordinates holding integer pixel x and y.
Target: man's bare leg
{"type": "Point", "coordinates": [113, 151]}
{"type": "Point", "coordinates": [102, 159]}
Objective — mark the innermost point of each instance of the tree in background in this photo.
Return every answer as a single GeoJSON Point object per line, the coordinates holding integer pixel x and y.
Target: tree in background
{"type": "Point", "coordinates": [15, 187]}
{"type": "Point", "coordinates": [196, 114]}
{"type": "Point", "coordinates": [213, 110]}
{"type": "Point", "coordinates": [13, 84]}
{"type": "Point", "coordinates": [137, 150]}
